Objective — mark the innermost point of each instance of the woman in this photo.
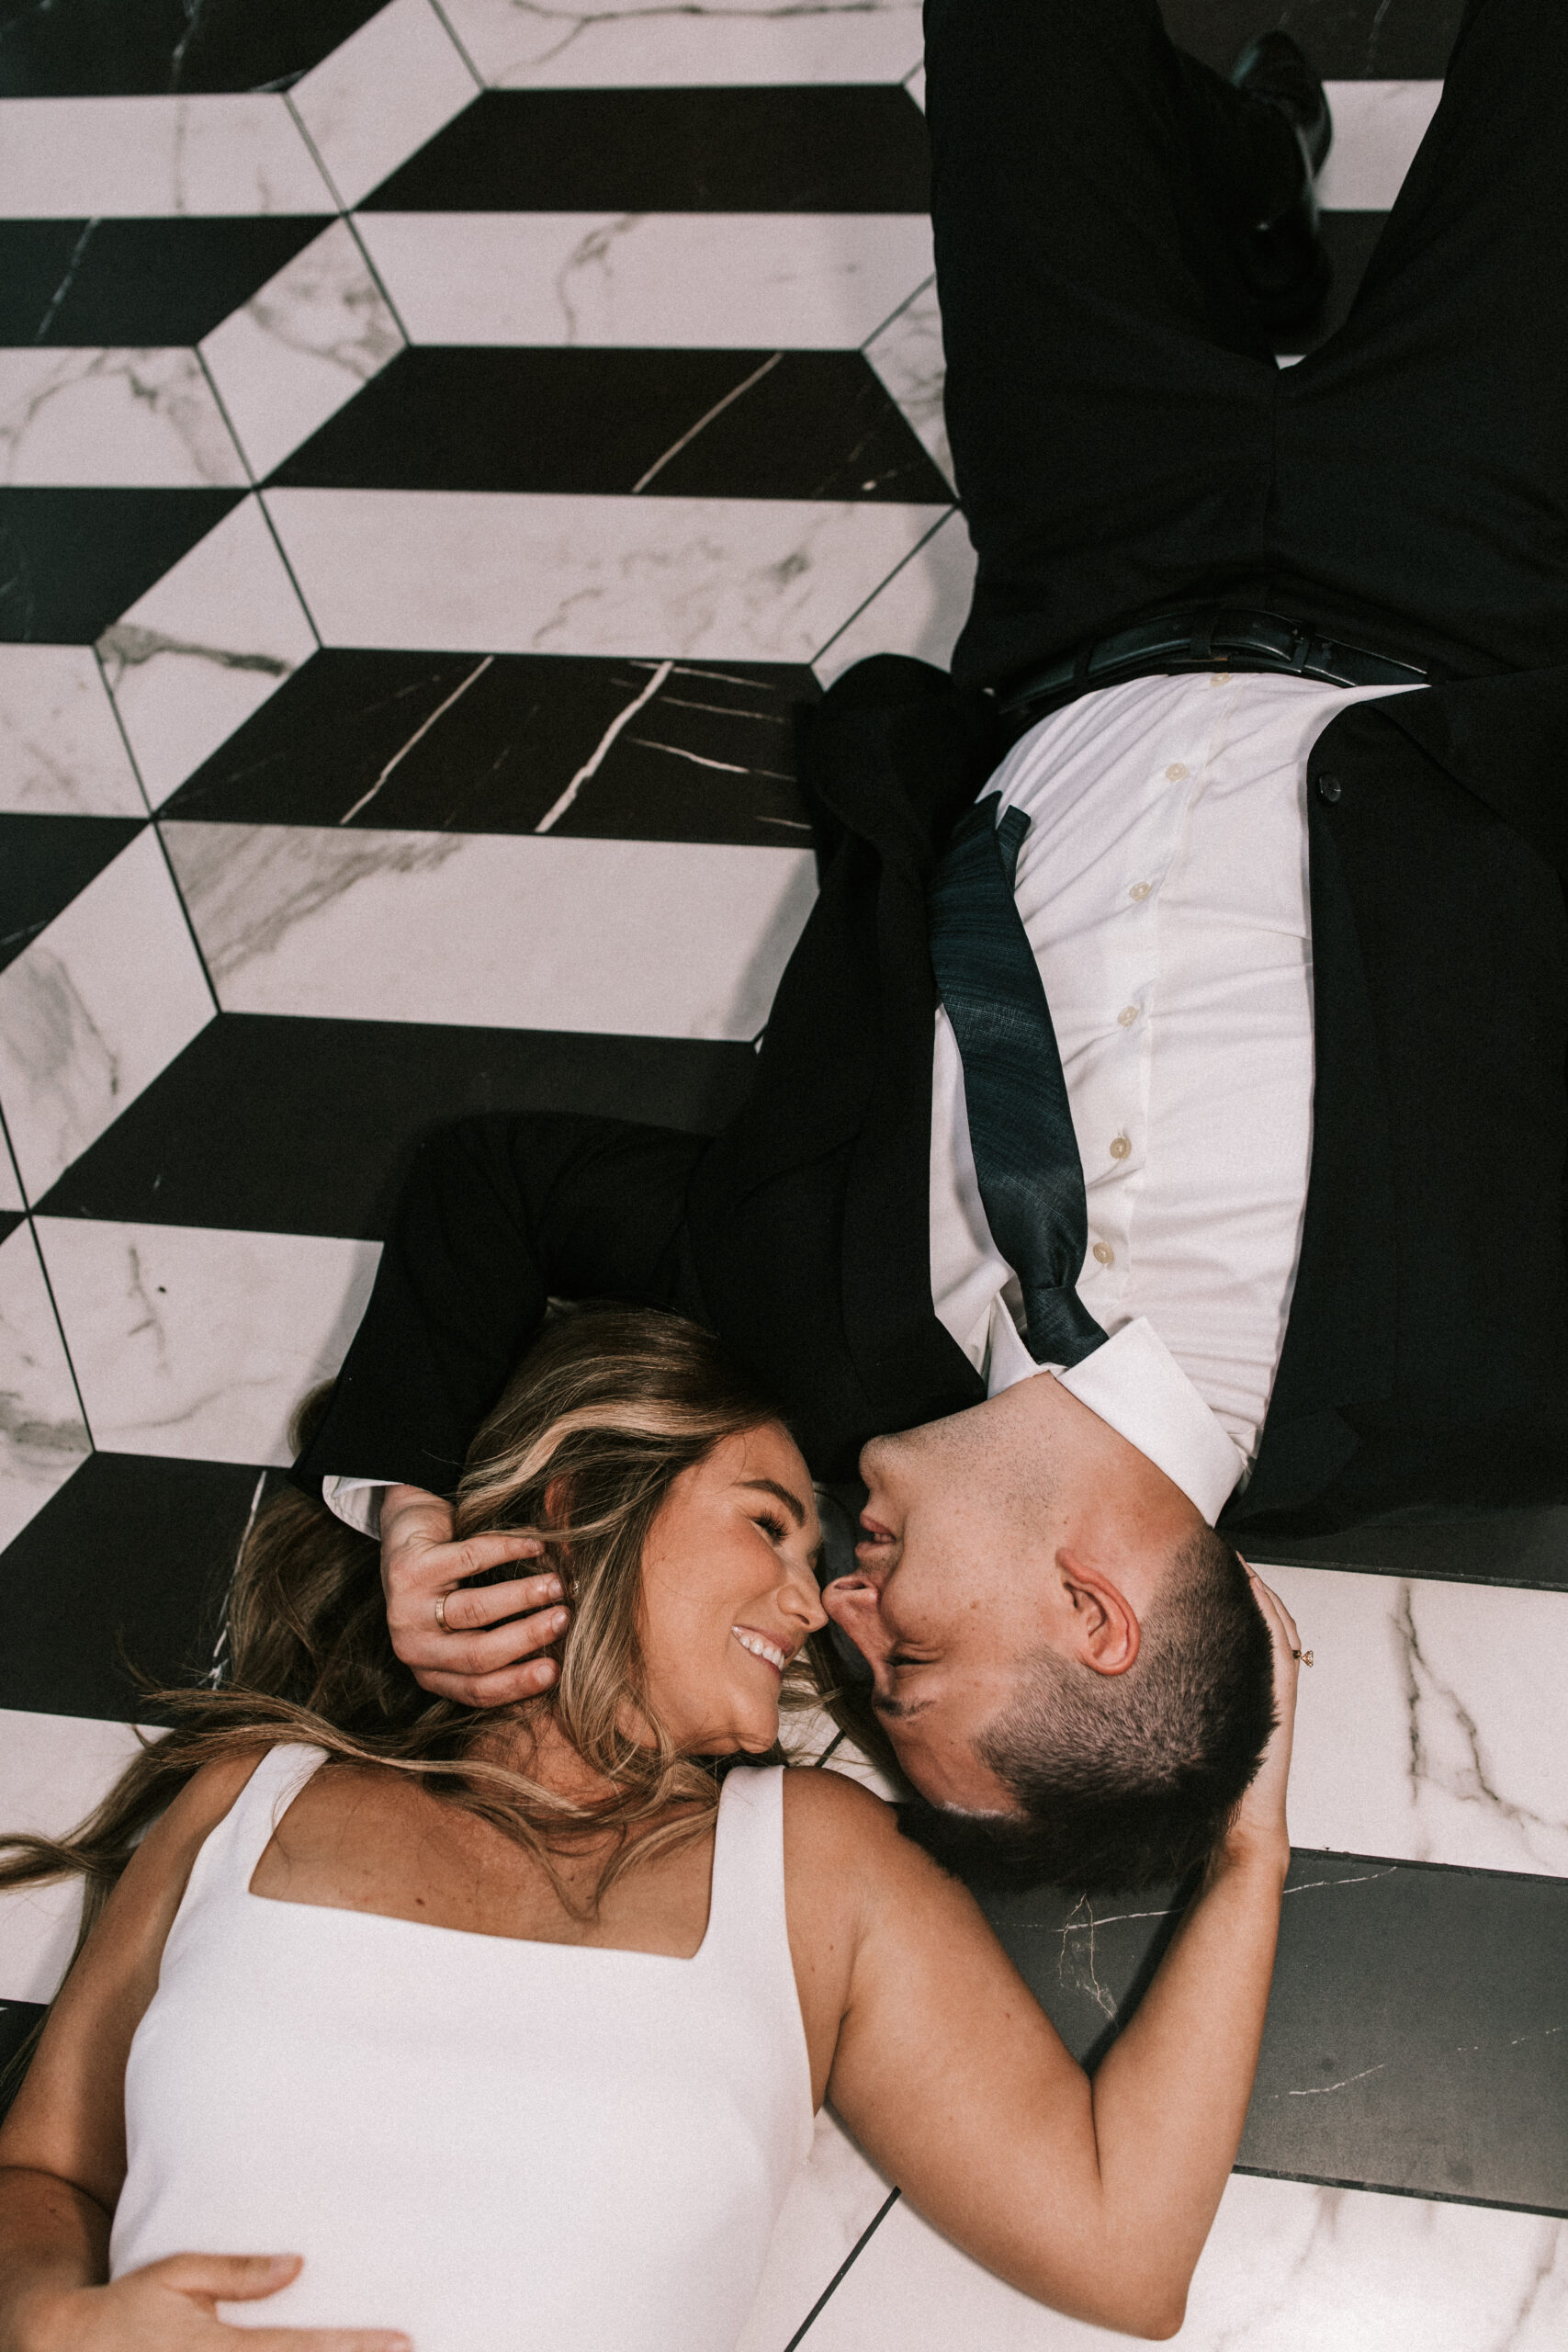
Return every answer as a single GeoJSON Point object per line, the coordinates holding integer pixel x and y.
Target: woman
{"type": "Point", "coordinates": [513, 2027]}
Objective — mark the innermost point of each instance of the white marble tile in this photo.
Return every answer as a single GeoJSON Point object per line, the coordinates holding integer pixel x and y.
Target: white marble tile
{"type": "Point", "coordinates": [43, 1439]}
{"type": "Point", "coordinates": [834, 2197]}
{"type": "Point", "coordinates": [199, 1343]}
{"type": "Point", "coordinates": [53, 1770]}
{"type": "Point", "coordinates": [381, 94]}
{"type": "Point", "coordinates": [87, 419]}
{"type": "Point", "coordinates": [1430, 1727]}
{"type": "Point", "coordinates": [919, 610]}
{"type": "Point", "coordinates": [762, 281]}
{"type": "Point", "coordinates": [504, 931]}
{"type": "Point", "coordinates": [204, 648]}
{"type": "Point", "coordinates": [301, 347]}
{"type": "Point", "coordinates": [908, 356]}
{"type": "Point", "coordinates": [90, 1013]}
{"type": "Point", "coordinates": [541, 44]}
{"type": "Point", "coordinates": [10, 1184]}
{"type": "Point", "coordinates": [68, 159]}
{"type": "Point", "coordinates": [1288, 2268]}
{"type": "Point", "coordinates": [1378, 125]}
{"type": "Point", "coordinates": [709, 579]}
{"type": "Point", "coordinates": [62, 753]}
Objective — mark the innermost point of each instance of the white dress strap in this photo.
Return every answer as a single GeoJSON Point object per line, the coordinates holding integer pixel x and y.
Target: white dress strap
{"type": "Point", "coordinates": [227, 1862]}
{"type": "Point", "coordinates": [747, 1924]}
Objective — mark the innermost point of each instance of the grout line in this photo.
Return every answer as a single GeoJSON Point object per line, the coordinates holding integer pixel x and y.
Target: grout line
{"type": "Point", "coordinates": [315, 153]}
{"type": "Point", "coordinates": [351, 223]}
{"type": "Point", "coordinates": [815, 2313]}
{"type": "Point", "coordinates": [446, 26]}
{"type": "Point", "coordinates": [924, 287]}
{"type": "Point", "coordinates": [920, 546]}
{"type": "Point", "coordinates": [157, 833]}
{"type": "Point", "coordinates": [53, 1305]}
{"type": "Point", "coordinates": [223, 406]}
{"type": "Point", "coordinates": [289, 568]}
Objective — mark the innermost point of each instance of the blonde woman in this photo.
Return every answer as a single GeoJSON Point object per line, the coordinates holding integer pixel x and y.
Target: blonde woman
{"type": "Point", "coordinates": [403, 2024]}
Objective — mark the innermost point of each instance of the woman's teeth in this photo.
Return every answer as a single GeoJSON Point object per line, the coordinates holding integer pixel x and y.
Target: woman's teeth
{"type": "Point", "coordinates": [760, 1646]}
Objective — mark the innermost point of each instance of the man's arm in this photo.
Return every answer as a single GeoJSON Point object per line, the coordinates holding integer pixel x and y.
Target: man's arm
{"type": "Point", "coordinates": [498, 1216]}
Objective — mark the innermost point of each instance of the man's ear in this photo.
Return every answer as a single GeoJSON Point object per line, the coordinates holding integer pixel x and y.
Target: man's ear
{"type": "Point", "coordinates": [1103, 1629]}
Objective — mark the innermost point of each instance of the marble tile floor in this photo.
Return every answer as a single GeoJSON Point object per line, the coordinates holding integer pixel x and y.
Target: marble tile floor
{"type": "Point", "coordinates": [440, 446]}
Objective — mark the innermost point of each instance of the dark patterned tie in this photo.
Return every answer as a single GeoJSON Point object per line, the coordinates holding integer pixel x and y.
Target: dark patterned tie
{"type": "Point", "coordinates": [1026, 1155]}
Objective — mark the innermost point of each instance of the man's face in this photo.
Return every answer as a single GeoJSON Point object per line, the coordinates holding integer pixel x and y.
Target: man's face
{"type": "Point", "coordinates": [1021, 1524]}
{"type": "Point", "coordinates": [943, 1605]}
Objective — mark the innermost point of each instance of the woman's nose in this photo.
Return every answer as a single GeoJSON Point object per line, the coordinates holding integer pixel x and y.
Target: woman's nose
{"type": "Point", "coordinates": [800, 1599]}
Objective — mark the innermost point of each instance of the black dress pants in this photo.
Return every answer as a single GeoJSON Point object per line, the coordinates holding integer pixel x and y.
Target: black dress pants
{"type": "Point", "coordinates": [1124, 439]}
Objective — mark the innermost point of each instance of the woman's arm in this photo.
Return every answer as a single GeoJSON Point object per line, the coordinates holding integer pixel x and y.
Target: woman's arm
{"type": "Point", "coordinates": [63, 2146]}
{"type": "Point", "coordinates": [1095, 2196]}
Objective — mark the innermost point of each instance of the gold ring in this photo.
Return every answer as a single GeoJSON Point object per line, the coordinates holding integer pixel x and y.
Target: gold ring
{"type": "Point", "coordinates": [441, 1616]}
{"type": "Point", "coordinates": [1302, 1657]}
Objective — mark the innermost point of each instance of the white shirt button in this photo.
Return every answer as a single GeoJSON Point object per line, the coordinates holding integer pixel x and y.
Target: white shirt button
{"type": "Point", "coordinates": [1120, 1147]}
{"type": "Point", "coordinates": [1175, 771]}
{"type": "Point", "coordinates": [1140, 890]}
{"type": "Point", "coordinates": [1104, 1253]}
{"type": "Point", "coordinates": [1127, 1015]}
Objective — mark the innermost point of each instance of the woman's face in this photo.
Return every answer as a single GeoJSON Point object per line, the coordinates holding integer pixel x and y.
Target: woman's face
{"type": "Point", "coordinates": [729, 1592]}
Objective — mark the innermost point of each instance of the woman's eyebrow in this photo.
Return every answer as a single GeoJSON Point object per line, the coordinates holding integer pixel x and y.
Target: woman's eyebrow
{"type": "Point", "coordinates": [772, 1487]}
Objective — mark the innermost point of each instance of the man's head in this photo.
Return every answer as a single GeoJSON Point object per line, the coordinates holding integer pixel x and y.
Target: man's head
{"type": "Point", "coordinates": [1065, 1658]}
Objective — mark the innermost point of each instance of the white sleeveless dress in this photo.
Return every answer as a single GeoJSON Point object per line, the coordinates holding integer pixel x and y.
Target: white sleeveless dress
{"type": "Point", "coordinates": [493, 2145]}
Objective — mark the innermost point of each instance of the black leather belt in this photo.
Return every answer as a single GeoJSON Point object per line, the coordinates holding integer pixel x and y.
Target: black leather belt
{"type": "Point", "coordinates": [1210, 636]}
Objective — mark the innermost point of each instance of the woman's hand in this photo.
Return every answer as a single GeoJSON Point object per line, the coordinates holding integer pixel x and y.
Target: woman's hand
{"type": "Point", "coordinates": [171, 2306]}
{"type": "Point", "coordinates": [421, 1566]}
{"type": "Point", "coordinates": [1258, 1827]}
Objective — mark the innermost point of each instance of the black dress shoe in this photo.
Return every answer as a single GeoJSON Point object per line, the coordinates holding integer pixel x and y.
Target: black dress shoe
{"type": "Point", "coordinates": [1281, 254]}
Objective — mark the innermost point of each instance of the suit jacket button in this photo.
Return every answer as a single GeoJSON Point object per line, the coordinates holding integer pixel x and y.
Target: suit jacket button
{"type": "Point", "coordinates": [1329, 787]}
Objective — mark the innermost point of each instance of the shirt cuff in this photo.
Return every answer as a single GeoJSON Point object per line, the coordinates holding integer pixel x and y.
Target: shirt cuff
{"type": "Point", "coordinates": [357, 1502]}
{"type": "Point", "coordinates": [1136, 1386]}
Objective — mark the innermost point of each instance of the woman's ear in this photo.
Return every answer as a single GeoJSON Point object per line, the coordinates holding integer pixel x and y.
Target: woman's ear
{"type": "Point", "coordinates": [558, 1501]}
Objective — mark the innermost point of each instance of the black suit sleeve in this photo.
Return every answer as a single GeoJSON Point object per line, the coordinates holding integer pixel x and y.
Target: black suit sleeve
{"type": "Point", "coordinates": [499, 1216]}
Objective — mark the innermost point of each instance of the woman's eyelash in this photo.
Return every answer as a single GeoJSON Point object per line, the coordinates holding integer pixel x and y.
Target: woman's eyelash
{"type": "Point", "coordinates": [774, 1528]}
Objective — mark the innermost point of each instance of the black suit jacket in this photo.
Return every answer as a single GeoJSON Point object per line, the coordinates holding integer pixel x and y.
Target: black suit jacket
{"type": "Point", "coordinates": [1425, 1360]}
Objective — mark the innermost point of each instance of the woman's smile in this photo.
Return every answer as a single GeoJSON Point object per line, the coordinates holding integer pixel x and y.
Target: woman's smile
{"type": "Point", "coordinates": [758, 1645]}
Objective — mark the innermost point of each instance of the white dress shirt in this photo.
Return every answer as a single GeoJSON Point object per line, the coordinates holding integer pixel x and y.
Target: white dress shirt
{"type": "Point", "coordinates": [1163, 884]}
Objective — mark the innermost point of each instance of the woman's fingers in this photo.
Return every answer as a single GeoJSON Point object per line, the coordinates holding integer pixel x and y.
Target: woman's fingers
{"type": "Point", "coordinates": [227, 2278]}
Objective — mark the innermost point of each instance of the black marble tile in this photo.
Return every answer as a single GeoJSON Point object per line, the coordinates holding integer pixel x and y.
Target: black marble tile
{"type": "Point", "coordinates": [823, 148]}
{"type": "Point", "coordinates": [123, 1569]}
{"type": "Point", "coordinates": [1348, 40]}
{"type": "Point", "coordinates": [1415, 2037]}
{"type": "Point", "coordinates": [138, 283]}
{"type": "Point", "coordinates": [287, 1125]}
{"type": "Point", "coordinates": [1519, 1547]}
{"type": "Point", "coordinates": [678, 424]}
{"type": "Point", "coordinates": [17, 2021]}
{"type": "Point", "coordinates": [9, 1220]}
{"type": "Point", "coordinates": [455, 742]}
{"type": "Point", "coordinates": [44, 862]}
{"type": "Point", "coordinates": [71, 560]}
{"type": "Point", "coordinates": [140, 48]}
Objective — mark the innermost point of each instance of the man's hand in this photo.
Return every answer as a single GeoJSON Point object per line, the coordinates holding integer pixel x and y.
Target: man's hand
{"type": "Point", "coordinates": [1260, 1822]}
{"type": "Point", "coordinates": [421, 1566]}
{"type": "Point", "coordinates": [171, 2306]}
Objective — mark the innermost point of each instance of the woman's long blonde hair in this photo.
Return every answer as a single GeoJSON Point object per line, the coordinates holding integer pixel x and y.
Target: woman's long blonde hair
{"type": "Point", "coordinates": [605, 1411]}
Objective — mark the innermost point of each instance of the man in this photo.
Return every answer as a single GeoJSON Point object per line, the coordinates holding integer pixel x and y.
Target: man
{"type": "Point", "coordinates": [1263, 693]}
